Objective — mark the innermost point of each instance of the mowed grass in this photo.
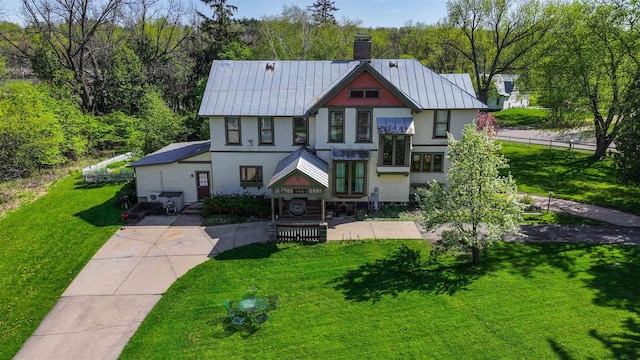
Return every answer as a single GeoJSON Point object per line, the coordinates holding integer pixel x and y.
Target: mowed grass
{"type": "Point", "coordinates": [367, 300]}
{"type": "Point", "coordinates": [44, 245]}
{"type": "Point", "coordinates": [529, 117]}
{"type": "Point", "coordinates": [570, 174]}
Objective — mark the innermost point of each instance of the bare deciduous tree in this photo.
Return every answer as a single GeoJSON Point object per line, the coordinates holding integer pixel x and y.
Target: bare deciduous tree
{"type": "Point", "coordinates": [495, 35]}
{"type": "Point", "coordinates": [67, 29]}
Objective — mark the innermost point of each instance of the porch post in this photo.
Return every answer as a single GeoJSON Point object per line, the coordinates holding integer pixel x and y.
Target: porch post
{"type": "Point", "coordinates": [273, 209]}
{"type": "Point", "coordinates": [322, 215]}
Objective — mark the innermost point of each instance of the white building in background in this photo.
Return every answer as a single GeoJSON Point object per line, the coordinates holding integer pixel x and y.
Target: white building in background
{"type": "Point", "coordinates": [508, 95]}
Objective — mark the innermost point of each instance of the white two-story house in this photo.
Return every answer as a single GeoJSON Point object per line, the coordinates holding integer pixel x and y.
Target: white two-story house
{"type": "Point", "coordinates": [316, 132]}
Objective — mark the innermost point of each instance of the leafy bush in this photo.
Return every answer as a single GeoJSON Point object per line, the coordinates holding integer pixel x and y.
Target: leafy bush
{"type": "Point", "coordinates": [528, 200]}
{"type": "Point", "coordinates": [237, 204]}
{"type": "Point", "coordinates": [128, 189]}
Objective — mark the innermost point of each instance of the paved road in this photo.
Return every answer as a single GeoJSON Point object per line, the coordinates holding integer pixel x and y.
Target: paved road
{"type": "Point", "coordinates": [582, 139]}
{"type": "Point", "coordinates": [589, 234]}
{"type": "Point", "coordinates": [611, 216]}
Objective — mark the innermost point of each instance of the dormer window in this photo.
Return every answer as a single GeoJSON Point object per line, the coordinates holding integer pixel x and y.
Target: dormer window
{"type": "Point", "coordinates": [364, 94]}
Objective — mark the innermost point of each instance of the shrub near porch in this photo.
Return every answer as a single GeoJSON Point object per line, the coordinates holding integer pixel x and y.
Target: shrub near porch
{"type": "Point", "coordinates": [227, 208]}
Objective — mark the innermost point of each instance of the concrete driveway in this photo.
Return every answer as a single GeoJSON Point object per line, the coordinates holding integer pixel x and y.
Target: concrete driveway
{"type": "Point", "coordinates": [106, 303]}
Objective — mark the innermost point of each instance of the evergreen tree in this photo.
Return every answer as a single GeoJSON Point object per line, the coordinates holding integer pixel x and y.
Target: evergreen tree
{"type": "Point", "coordinates": [322, 12]}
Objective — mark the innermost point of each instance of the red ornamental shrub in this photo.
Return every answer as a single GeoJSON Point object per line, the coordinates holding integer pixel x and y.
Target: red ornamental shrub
{"type": "Point", "coordinates": [487, 121]}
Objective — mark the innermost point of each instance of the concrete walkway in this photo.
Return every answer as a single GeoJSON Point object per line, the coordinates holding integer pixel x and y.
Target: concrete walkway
{"type": "Point", "coordinates": [108, 300]}
{"type": "Point", "coordinates": [593, 212]}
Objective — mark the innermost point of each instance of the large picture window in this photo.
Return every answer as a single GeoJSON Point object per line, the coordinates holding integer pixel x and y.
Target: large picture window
{"type": "Point", "coordinates": [232, 127]}
{"type": "Point", "coordinates": [300, 131]}
{"type": "Point", "coordinates": [394, 150]}
{"type": "Point", "coordinates": [441, 123]}
{"type": "Point", "coordinates": [363, 130]}
{"type": "Point", "coordinates": [250, 175]}
{"type": "Point", "coordinates": [350, 178]}
{"type": "Point", "coordinates": [336, 126]}
{"type": "Point", "coordinates": [427, 162]}
{"type": "Point", "coordinates": [266, 130]}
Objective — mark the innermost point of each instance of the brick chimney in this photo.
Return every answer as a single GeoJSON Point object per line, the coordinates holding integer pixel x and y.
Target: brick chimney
{"type": "Point", "coordinates": [362, 47]}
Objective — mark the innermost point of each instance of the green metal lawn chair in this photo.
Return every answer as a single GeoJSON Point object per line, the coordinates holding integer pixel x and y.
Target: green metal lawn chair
{"type": "Point", "coordinates": [273, 302]}
{"type": "Point", "coordinates": [260, 319]}
{"type": "Point", "coordinates": [231, 310]}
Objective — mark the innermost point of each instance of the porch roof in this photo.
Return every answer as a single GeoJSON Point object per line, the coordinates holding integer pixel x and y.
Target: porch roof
{"type": "Point", "coordinates": [395, 126]}
{"type": "Point", "coordinates": [305, 161]}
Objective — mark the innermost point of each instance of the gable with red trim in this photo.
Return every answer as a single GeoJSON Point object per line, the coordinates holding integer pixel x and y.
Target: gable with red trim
{"type": "Point", "coordinates": [364, 81]}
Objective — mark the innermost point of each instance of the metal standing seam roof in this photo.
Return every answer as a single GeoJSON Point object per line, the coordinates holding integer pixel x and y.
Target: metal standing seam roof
{"type": "Point", "coordinates": [174, 152]}
{"type": "Point", "coordinates": [305, 161]}
{"type": "Point", "coordinates": [248, 88]}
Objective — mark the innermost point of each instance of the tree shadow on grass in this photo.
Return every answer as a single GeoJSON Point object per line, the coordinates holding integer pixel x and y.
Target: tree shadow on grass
{"type": "Point", "coordinates": [615, 276]}
{"type": "Point", "coordinates": [559, 350]}
{"type": "Point", "coordinates": [618, 286]}
{"type": "Point", "coordinates": [253, 251]}
{"type": "Point", "coordinates": [405, 270]}
{"type": "Point", "coordinates": [226, 329]}
{"type": "Point", "coordinates": [105, 214]}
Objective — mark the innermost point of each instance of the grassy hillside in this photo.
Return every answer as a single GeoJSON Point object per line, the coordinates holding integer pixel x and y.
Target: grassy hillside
{"type": "Point", "coordinates": [44, 245]}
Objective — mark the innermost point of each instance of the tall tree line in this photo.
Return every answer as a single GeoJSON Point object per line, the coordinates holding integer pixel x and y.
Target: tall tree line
{"type": "Point", "coordinates": [114, 58]}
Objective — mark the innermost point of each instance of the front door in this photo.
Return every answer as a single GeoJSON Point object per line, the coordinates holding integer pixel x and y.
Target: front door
{"type": "Point", "coordinates": [202, 184]}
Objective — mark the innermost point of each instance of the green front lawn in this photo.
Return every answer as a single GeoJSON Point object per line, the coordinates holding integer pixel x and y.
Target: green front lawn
{"type": "Point", "coordinates": [44, 245]}
{"type": "Point", "coordinates": [367, 300]}
{"type": "Point", "coordinates": [570, 174]}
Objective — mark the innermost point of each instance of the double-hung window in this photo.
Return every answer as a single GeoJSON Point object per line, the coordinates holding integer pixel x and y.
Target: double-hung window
{"type": "Point", "coordinates": [427, 162]}
{"type": "Point", "coordinates": [350, 178]}
{"type": "Point", "coordinates": [336, 126]}
{"type": "Point", "coordinates": [363, 130]}
{"type": "Point", "coordinates": [266, 130]}
{"type": "Point", "coordinates": [300, 131]}
{"type": "Point", "coordinates": [395, 150]}
{"type": "Point", "coordinates": [250, 175]}
{"type": "Point", "coordinates": [441, 123]}
{"type": "Point", "coordinates": [232, 128]}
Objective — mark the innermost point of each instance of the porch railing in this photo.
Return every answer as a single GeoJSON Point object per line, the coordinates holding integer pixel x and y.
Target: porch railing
{"type": "Point", "coordinates": [299, 232]}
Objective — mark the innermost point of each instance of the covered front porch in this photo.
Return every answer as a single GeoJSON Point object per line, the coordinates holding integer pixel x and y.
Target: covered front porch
{"type": "Point", "coordinates": [298, 189]}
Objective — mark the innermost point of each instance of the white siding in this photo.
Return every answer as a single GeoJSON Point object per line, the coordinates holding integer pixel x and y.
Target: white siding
{"type": "Point", "coordinates": [249, 130]}
{"type": "Point", "coordinates": [226, 170]}
{"type": "Point", "coordinates": [392, 188]}
{"type": "Point", "coordinates": [176, 176]}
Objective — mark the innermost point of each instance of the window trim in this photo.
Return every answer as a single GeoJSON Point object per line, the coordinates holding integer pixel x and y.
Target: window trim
{"type": "Point", "coordinates": [273, 131]}
{"type": "Point", "coordinates": [259, 174]}
{"type": "Point", "coordinates": [435, 124]}
{"type": "Point", "coordinates": [364, 93]}
{"type": "Point", "coordinates": [370, 111]}
{"type": "Point", "coordinates": [407, 158]}
{"type": "Point", "coordinates": [422, 165]}
{"type": "Point", "coordinates": [306, 124]}
{"type": "Point", "coordinates": [342, 140]}
{"type": "Point", "coordinates": [350, 179]}
{"type": "Point", "coordinates": [226, 130]}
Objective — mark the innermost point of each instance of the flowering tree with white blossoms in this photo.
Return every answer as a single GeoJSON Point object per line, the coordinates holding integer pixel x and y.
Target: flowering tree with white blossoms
{"type": "Point", "coordinates": [478, 205]}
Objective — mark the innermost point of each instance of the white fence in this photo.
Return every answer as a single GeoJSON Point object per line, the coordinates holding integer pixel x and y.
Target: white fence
{"type": "Point", "coordinates": [553, 143]}
{"type": "Point", "coordinates": [99, 173]}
